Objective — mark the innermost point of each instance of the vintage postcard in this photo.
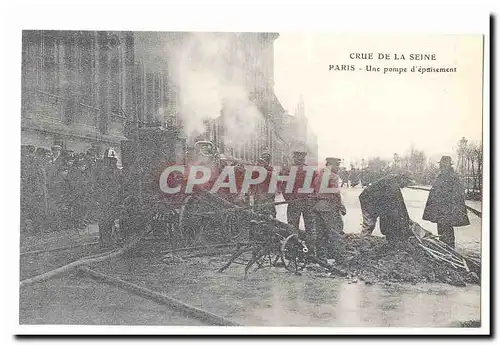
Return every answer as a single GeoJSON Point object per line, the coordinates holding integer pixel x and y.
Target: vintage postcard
{"type": "Point", "coordinates": [253, 179]}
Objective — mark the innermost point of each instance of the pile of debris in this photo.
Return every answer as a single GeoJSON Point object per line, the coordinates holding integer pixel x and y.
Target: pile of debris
{"type": "Point", "coordinates": [373, 260]}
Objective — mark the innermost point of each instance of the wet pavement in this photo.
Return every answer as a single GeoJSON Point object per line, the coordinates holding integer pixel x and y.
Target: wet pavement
{"type": "Point", "coordinates": [268, 297]}
{"type": "Point", "coordinates": [77, 300]}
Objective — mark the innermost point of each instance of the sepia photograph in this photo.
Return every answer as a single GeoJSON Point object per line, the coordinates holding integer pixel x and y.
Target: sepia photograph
{"type": "Point", "coordinates": [281, 178]}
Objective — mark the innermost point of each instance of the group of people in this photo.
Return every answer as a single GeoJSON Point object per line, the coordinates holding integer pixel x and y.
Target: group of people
{"type": "Point", "coordinates": [445, 205]}
{"type": "Point", "coordinates": [349, 178]}
{"type": "Point", "coordinates": [381, 199]}
{"type": "Point", "coordinates": [55, 185]}
{"type": "Point", "coordinates": [64, 191]}
{"type": "Point", "coordinates": [363, 177]}
{"type": "Point", "coordinates": [322, 212]}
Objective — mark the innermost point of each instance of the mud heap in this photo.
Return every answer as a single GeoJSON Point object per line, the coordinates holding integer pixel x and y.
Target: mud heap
{"type": "Point", "coordinates": [373, 260]}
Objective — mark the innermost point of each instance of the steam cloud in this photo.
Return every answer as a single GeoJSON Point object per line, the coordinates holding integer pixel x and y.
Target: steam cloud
{"type": "Point", "coordinates": [208, 71]}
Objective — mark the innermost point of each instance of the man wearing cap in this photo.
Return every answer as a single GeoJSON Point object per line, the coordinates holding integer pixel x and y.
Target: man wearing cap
{"type": "Point", "coordinates": [56, 152]}
{"type": "Point", "coordinates": [383, 199]}
{"type": "Point", "coordinates": [228, 162]}
{"type": "Point", "coordinates": [300, 203]}
{"type": "Point", "coordinates": [344, 176]}
{"type": "Point", "coordinates": [354, 176]}
{"type": "Point", "coordinates": [80, 191]}
{"type": "Point", "coordinates": [446, 203]}
{"type": "Point", "coordinates": [328, 211]}
{"type": "Point", "coordinates": [94, 165]}
{"type": "Point", "coordinates": [239, 174]}
{"type": "Point", "coordinates": [263, 200]}
{"type": "Point", "coordinates": [59, 191]}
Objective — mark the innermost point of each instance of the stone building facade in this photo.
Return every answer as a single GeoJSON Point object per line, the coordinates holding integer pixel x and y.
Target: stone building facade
{"type": "Point", "coordinates": [299, 136]}
{"type": "Point", "coordinates": [77, 88]}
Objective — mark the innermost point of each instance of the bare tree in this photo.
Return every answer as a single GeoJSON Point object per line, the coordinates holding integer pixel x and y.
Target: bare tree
{"type": "Point", "coordinates": [377, 164]}
{"type": "Point", "coordinates": [470, 165]}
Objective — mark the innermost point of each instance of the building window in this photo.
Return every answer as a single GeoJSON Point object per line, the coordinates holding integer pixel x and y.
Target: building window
{"type": "Point", "coordinates": [149, 91]}
{"type": "Point", "coordinates": [154, 95]}
{"type": "Point", "coordinates": [157, 97]}
{"type": "Point", "coordinates": [169, 100]}
{"type": "Point", "coordinates": [87, 68]}
{"type": "Point", "coordinates": [116, 79]}
{"type": "Point", "coordinates": [49, 59]}
{"type": "Point", "coordinates": [140, 92]}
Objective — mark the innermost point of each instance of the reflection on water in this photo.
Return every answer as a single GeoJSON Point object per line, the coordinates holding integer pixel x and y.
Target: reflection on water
{"type": "Point", "coordinates": [275, 297]}
{"type": "Point", "coordinates": [346, 310]}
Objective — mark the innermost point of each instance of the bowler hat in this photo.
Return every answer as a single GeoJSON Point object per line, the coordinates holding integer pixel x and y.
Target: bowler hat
{"type": "Point", "coordinates": [299, 153]}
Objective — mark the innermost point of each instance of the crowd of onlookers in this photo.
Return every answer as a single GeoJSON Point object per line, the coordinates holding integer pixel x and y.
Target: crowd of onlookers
{"type": "Point", "coordinates": [59, 188]}
{"type": "Point", "coordinates": [366, 176]}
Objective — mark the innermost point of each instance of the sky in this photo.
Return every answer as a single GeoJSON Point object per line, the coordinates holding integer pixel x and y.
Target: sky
{"type": "Point", "coordinates": [360, 114]}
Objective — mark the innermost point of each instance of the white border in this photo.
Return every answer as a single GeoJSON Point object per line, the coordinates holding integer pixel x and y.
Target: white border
{"type": "Point", "coordinates": [424, 17]}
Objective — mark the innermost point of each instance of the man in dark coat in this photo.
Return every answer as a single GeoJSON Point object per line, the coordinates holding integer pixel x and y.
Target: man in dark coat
{"type": "Point", "coordinates": [109, 186]}
{"type": "Point", "coordinates": [59, 200]}
{"type": "Point", "coordinates": [328, 211]}
{"type": "Point", "coordinates": [300, 202]}
{"type": "Point", "coordinates": [263, 200]}
{"type": "Point", "coordinates": [80, 191]}
{"type": "Point", "coordinates": [354, 177]}
{"type": "Point", "coordinates": [446, 203]}
{"type": "Point", "coordinates": [384, 199]}
{"type": "Point", "coordinates": [344, 176]}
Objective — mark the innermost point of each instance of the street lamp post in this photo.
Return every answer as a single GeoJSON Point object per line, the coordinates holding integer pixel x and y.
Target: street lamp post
{"type": "Point", "coordinates": [462, 157]}
{"type": "Point", "coordinates": [396, 161]}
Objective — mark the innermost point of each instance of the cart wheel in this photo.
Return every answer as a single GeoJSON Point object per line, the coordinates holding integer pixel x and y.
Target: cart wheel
{"type": "Point", "coordinates": [198, 229]}
{"type": "Point", "coordinates": [293, 254]}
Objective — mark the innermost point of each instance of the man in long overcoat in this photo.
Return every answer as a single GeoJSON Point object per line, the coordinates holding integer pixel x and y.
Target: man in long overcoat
{"type": "Point", "coordinates": [383, 199]}
{"type": "Point", "coordinates": [446, 203]}
{"type": "Point", "coordinates": [109, 186]}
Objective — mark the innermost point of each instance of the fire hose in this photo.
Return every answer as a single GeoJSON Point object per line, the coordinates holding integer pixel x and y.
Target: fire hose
{"type": "Point", "coordinates": [184, 308]}
{"type": "Point", "coordinates": [85, 261]}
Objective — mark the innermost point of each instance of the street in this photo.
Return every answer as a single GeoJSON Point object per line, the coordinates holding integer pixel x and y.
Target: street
{"type": "Point", "coordinates": [270, 296]}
